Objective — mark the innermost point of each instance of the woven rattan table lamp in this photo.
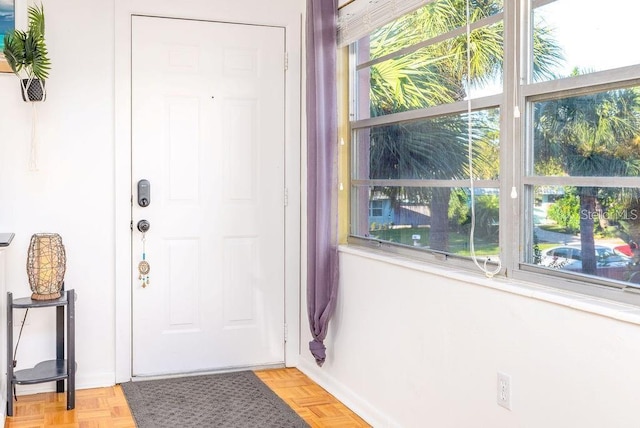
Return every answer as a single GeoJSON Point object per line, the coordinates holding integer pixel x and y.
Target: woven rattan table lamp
{"type": "Point", "coordinates": [46, 265]}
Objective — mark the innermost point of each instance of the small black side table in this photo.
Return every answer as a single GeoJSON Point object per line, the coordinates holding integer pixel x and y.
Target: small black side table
{"type": "Point", "coordinates": [52, 370]}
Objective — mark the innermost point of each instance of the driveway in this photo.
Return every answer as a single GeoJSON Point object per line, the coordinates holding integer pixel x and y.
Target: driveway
{"type": "Point", "coordinates": [555, 237]}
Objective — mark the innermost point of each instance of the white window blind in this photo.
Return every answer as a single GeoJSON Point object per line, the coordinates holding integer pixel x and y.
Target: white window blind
{"type": "Point", "coordinates": [360, 17]}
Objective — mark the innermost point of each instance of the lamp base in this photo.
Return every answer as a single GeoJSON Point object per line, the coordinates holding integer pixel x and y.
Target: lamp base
{"type": "Point", "coordinates": [52, 296]}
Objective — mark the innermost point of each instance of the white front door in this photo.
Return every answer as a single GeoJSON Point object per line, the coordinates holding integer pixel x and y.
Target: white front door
{"type": "Point", "coordinates": [208, 135]}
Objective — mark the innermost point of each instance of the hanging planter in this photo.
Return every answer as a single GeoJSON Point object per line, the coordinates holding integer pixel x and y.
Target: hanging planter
{"type": "Point", "coordinates": [33, 90]}
{"type": "Point", "coordinates": [27, 55]}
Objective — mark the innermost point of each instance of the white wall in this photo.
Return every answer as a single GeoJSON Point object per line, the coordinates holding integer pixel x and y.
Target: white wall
{"type": "Point", "coordinates": [72, 193]}
{"type": "Point", "coordinates": [82, 188]}
{"type": "Point", "coordinates": [406, 348]}
{"type": "Point", "coordinates": [3, 338]}
{"type": "Point", "coordinates": [409, 348]}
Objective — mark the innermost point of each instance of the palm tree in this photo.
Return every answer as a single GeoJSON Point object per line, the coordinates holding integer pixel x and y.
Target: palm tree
{"type": "Point", "coordinates": [434, 75]}
{"type": "Point", "coordinates": [413, 150]}
{"type": "Point", "coordinates": [590, 135]}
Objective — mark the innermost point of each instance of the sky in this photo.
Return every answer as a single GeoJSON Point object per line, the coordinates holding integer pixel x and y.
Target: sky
{"type": "Point", "coordinates": [592, 37]}
{"type": "Point", "coordinates": [595, 35]}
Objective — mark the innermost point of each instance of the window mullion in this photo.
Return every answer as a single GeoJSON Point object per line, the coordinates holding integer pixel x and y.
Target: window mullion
{"type": "Point", "coordinates": [510, 140]}
{"type": "Point", "coordinates": [583, 84]}
{"type": "Point", "coordinates": [584, 181]}
{"type": "Point", "coordinates": [424, 113]}
{"type": "Point", "coordinates": [424, 183]}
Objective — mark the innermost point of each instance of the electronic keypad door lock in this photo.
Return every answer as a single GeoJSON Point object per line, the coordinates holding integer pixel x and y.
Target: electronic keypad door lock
{"type": "Point", "coordinates": [144, 193]}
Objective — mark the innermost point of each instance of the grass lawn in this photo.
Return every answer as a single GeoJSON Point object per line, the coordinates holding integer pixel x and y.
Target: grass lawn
{"type": "Point", "coordinates": [556, 228]}
{"type": "Point", "coordinates": [458, 242]}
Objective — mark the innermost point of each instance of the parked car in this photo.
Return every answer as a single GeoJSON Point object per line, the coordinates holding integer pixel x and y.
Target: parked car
{"type": "Point", "coordinates": [627, 249]}
{"type": "Point", "coordinates": [610, 261]}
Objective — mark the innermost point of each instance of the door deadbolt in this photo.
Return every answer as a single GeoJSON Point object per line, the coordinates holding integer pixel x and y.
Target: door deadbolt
{"type": "Point", "coordinates": [143, 226]}
{"type": "Point", "coordinates": [144, 193]}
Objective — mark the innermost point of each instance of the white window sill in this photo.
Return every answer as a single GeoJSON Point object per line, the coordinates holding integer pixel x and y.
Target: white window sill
{"type": "Point", "coordinates": [600, 306]}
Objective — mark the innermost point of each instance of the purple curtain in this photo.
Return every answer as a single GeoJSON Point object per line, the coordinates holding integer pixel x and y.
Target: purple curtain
{"type": "Point", "coordinates": [322, 177]}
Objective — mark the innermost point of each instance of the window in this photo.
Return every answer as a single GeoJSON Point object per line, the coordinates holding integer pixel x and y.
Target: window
{"type": "Point", "coordinates": [523, 154]}
{"type": "Point", "coordinates": [413, 147]}
{"type": "Point", "coordinates": [585, 149]}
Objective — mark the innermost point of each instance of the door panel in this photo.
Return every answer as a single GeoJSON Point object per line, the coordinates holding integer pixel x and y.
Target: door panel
{"type": "Point", "coordinates": [208, 134]}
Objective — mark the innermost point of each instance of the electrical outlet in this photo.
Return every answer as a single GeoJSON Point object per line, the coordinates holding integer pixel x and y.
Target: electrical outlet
{"type": "Point", "coordinates": [504, 390]}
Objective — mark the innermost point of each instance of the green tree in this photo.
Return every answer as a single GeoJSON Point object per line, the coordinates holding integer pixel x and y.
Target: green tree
{"type": "Point", "coordinates": [590, 135]}
{"type": "Point", "coordinates": [566, 212]}
{"type": "Point", "coordinates": [434, 75]}
{"type": "Point", "coordinates": [487, 209]}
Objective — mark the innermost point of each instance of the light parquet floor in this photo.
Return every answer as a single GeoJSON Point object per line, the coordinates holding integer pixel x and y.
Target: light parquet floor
{"type": "Point", "coordinates": [108, 408]}
{"type": "Point", "coordinates": [315, 405]}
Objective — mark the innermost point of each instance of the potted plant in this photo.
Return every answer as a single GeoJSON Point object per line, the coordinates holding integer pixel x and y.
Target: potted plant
{"type": "Point", "coordinates": [26, 53]}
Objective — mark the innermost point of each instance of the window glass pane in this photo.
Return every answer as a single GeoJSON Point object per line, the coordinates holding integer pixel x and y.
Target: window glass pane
{"type": "Point", "coordinates": [435, 148]}
{"type": "Point", "coordinates": [433, 218]}
{"type": "Point", "coordinates": [588, 135]}
{"type": "Point", "coordinates": [584, 36]}
{"type": "Point", "coordinates": [605, 219]}
{"type": "Point", "coordinates": [435, 18]}
{"type": "Point", "coordinates": [377, 210]}
{"type": "Point", "coordinates": [433, 75]}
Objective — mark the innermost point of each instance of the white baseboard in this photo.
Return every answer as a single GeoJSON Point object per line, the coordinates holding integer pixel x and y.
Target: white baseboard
{"type": "Point", "coordinates": [346, 396]}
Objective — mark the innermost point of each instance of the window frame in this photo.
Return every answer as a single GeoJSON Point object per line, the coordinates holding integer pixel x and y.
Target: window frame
{"type": "Point", "coordinates": [518, 96]}
{"type": "Point", "coordinates": [459, 107]}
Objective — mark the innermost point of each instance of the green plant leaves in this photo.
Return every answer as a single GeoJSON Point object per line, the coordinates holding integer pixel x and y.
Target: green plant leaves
{"type": "Point", "coordinates": [14, 48]}
{"type": "Point", "coordinates": [26, 50]}
{"type": "Point", "coordinates": [36, 19]}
